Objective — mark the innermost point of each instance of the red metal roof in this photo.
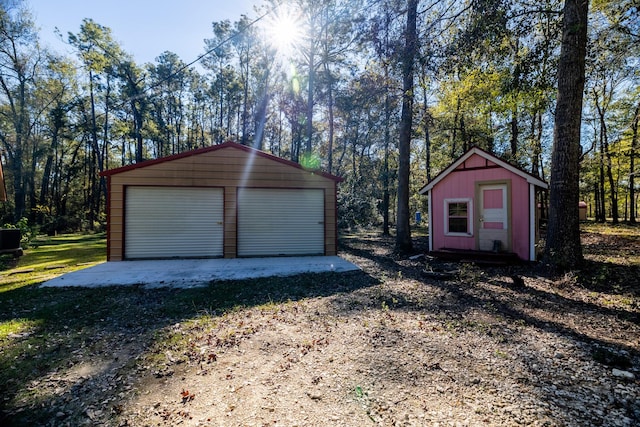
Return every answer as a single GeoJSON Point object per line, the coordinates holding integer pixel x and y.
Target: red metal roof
{"type": "Point", "coordinates": [228, 144]}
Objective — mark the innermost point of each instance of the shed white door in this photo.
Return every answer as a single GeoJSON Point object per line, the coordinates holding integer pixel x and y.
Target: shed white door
{"type": "Point", "coordinates": [494, 218]}
{"type": "Point", "coordinates": [169, 222]}
{"type": "Point", "coordinates": [275, 222]}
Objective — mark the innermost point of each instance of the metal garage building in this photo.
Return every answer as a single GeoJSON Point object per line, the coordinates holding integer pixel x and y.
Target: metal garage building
{"type": "Point", "coordinates": [226, 200]}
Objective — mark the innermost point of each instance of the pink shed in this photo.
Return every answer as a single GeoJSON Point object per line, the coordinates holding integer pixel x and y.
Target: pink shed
{"type": "Point", "coordinates": [481, 202]}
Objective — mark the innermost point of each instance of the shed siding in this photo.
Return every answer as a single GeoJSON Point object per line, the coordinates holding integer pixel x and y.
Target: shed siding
{"type": "Point", "coordinates": [476, 162]}
{"type": "Point", "coordinates": [228, 167]}
{"type": "Point", "coordinates": [462, 184]}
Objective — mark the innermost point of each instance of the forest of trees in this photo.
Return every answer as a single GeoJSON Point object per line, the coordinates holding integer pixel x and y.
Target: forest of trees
{"type": "Point", "coordinates": [375, 91]}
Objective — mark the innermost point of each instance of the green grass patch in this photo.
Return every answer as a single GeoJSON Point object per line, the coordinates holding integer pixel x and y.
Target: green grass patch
{"type": "Point", "coordinates": [608, 229]}
{"type": "Point", "coordinates": [420, 231]}
{"type": "Point", "coordinates": [51, 257]}
{"type": "Point", "coordinates": [16, 328]}
{"type": "Point", "coordinates": [45, 332]}
{"type": "Point", "coordinates": [612, 244]}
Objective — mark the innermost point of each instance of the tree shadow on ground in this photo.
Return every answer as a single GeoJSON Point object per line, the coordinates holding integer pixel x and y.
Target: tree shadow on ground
{"type": "Point", "coordinates": [609, 278]}
{"type": "Point", "coordinates": [45, 369]}
{"type": "Point", "coordinates": [94, 333]}
{"type": "Point", "coordinates": [597, 276]}
{"type": "Point", "coordinates": [612, 264]}
{"type": "Point", "coordinates": [502, 302]}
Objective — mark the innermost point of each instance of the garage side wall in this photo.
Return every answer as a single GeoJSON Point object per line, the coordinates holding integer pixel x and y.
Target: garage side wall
{"type": "Point", "coordinates": [228, 168]}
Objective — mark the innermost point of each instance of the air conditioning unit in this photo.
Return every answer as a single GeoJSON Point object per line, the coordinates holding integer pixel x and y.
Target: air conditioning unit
{"type": "Point", "coordinates": [10, 242]}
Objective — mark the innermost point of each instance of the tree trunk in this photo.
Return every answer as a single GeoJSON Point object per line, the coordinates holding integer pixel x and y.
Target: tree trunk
{"type": "Point", "coordinates": [137, 122]}
{"type": "Point", "coordinates": [455, 130]}
{"type": "Point", "coordinates": [311, 62]}
{"type": "Point", "coordinates": [331, 117]}
{"type": "Point", "coordinates": [385, 171]}
{"type": "Point", "coordinates": [515, 132]}
{"type": "Point", "coordinates": [386, 193]}
{"type": "Point", "coordinates": [604, 144]}
{"type": "Point", "coordinates": [19, 196]}
{"type": "Point", "coordinates": [44, 185]}
{"type": "Point", "coordinates": [95, 152]}
{"type": "Point", "coordinates": [612, 184]}
{"type": "Point", "coordinates": [245, 102]}
{"type": "Point", "coordinates": [427, 136]}
{"type": "Point", "coordinates": [31, 181]}
{"type": "Point", "coordinates": [536, 146]}
{"type": "Point", "coordinates": [632, 166]}
{"type": "Point", "coordinates": [261, 118]}
{"type": "Point", "coordinates": [222, 135]}
{"type": "Point", "coordinates": [45, 191]}
{"type": "Point", "coordinates": [603, 212]}
{"type": "Point", "coordinates": [403, 229]}
{"type": "Point", "coordinates": [563, 247]}
{"type": "Point", "coordinates": [596, 201]}
{"type": "Point", "coordinates": [310, 88]}
{"type": "Point", "coordinates": [463, 134]}
{"type": "Point", "coordinates": [540, 128]}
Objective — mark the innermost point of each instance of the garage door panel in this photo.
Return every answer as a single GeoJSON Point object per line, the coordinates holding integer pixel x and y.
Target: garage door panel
{"type": "Point", "coordinates": [280, 222]}
{"type": "Point", "coordinates": [167, 222]}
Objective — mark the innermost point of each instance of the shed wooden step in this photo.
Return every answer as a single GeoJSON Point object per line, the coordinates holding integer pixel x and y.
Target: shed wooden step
{"type": "Point", "coordinates": [478, 257]}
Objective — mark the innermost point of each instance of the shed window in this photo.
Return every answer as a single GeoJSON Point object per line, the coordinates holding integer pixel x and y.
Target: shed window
{"type": "Point", "coordinates": [457, 214]}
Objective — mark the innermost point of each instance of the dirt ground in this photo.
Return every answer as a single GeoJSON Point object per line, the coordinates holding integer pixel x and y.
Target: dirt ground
{"type": "Point", "coordinates": [399, 345]}
{"type": "Point", "coordinates": [404, 342]}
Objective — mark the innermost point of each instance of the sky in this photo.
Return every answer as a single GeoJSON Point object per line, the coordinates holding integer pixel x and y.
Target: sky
{"type": "Point", "coordinates": [144, 28]}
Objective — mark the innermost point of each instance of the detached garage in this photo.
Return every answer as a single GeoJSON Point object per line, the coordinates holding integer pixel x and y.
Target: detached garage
{"type": "Point", "coordinates": [227, 200]}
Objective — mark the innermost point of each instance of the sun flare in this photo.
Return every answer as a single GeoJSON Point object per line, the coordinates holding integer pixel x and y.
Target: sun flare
{"type": "Point", "coordinates": [285, 30]}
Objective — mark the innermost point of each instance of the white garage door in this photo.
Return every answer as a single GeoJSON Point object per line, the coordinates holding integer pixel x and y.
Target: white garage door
{"type": "Point", "coordinates": [280, 222]}
{"type": "Point", "coordinates": [168, 222]}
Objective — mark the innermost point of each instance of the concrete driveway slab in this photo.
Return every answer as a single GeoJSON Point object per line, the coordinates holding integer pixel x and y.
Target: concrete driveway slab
{"type": "Point", "coordinates": [188, 273]}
